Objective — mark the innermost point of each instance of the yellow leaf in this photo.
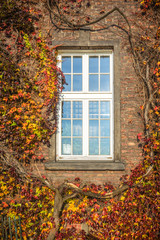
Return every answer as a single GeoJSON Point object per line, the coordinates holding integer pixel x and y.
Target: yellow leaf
{"type": "Point", "coordinates": [122, 198]}
{"type": "Point", "coordinates": [109, 208]}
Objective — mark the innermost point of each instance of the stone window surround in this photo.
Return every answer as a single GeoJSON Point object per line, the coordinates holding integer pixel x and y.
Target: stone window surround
{"type": "Point", "coordinates": [114, 165]}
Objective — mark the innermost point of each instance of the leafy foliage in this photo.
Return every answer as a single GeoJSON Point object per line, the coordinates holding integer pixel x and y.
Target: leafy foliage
{"type": "Point", "coordinates": [31, 201]}
{"type": "Point", "coordinates": [30, 84]}
{"type": "Point", "coordinates": [147, 4]}
{"type": "Point", "coordinates": [135, 215]}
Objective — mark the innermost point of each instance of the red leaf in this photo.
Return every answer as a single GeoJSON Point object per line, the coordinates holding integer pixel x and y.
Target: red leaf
{"type": "Point", "coordinates": [5, 205]}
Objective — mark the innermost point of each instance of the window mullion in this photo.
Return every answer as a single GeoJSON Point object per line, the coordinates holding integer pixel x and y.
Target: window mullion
{"type": "Point", "coordinates": [71, 73]}
{"type": "Point", "coordinates": [85, 105]}
{"type": "Point", "coordinates": [98, 73]}
{"type": "Point", "coordinates": [85, 127]}
{"type": "Point", "coordinates": [111, 127]}
{"type": "Point", "coordinates": [60, 130]}
{"type": "Point", "coordinates": [111, 73]}
{"type": "Point", "coordinates": [99, 104]}
{"type": "Point", "coordinates": [71, 127]}
{"type": "Point", "coordinates": [85, 73]}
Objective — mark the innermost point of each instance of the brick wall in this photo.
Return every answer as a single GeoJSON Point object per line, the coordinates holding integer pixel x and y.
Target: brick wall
{"type": "Point", "coordinates": [130, 121]}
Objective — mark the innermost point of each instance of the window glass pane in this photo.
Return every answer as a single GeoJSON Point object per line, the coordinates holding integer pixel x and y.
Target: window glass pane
{"type": "Point", "coordinates": [77, 64]}
{"type": "Point", "coordinates": [66, 146]}
{"type": "Point", "coordinates": [66, 109]}
{"type": "Point", "coordinates": [104, 64]}
{"type": "Point", "coordinates": [77, 109]}
{"type": "Point", "coordinates": [104, 109]}
{"type": "Point", "coordinates": [77, 128]}
{"type": "Point", "coordinates": [99, 120]}
{"type": "Point", "coordinates": [93, 109]}
{"type": "Point", "coordinates": [105, 82]}
{"type": "Point", "coordinates": [94, 128]}
{"type": "Point", "coordinates": [105, 128]}
{"type": "Point", "coordinates": [93, 146]}
{"type": "Point", "coordinates": [67, 86]}
{"type": "Point", "coordinates": [66, 64]}
{"type": "Point", "coordinates": [77, 146]}
{"type": "Point", "coordinates": [77, 82]}
{"type": "Point", "coordinates": [93, 82]}
{"type": "Point", "coordinates": [105, 146]}
{"type": "Point", "coordinates": [66, 127]}
{"type": "Point", "coordinates": [93, 64]}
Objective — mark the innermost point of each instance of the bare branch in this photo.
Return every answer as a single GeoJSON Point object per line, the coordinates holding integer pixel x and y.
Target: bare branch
{"type": "Point", "coordinates": [109, 195]}
{"type": "Point", "coordinates": [81, 26]}
{"type": "Point", "coordinates": [60, 16]}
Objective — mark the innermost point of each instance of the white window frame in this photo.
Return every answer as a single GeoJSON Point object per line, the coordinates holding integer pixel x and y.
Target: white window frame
{"type": "Point", "coordinates": [85, 96]}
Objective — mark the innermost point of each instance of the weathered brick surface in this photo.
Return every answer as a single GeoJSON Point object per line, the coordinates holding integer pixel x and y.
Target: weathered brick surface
{"type": "Point", "coordinates": [131, 122]}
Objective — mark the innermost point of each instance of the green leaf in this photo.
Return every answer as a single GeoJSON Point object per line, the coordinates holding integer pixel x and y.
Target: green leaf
{"type": "Point", "coordinates": [13, 124]}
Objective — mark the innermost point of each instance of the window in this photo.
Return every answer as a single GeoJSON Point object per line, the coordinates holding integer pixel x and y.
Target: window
{"type": "Point", "coordinates": [85, 130]}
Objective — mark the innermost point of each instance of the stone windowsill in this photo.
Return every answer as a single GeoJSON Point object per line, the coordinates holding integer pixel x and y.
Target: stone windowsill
{"type": "Point", "coordinates": [88, 166]}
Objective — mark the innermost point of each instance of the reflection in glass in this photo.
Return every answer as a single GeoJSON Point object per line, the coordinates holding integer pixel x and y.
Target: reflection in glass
{"type": "Point", "coordinates": [104, 64]}
{"type": "Point", "coordinates": [104, 82]}
{"type": "Point", "coordinates": [77, 109]}
{"type": "Point", "coordinates": [93, 128]}
{"type": "Point", "coordinates": [77, 82]}
{"type": "Point", "coordinates": [105, 146]}
{"type": "Point", "coordinates": [77, 146]}
{"type": "Point", "coordinates": [66, 64]}
{"type": "Point", "coordinates": [105, 128]}
{"type": "Point", "coordinates": [93, 109]}
{"type": "Point", "coordinates": [66, 109]}
{"type": "Point", "coordinates": [93, 146]}
{"type": "Point", "coordinates": [104, 109]}
{"type": "Point", "coordinates": [77, 128]}
{"type": "Point", "coordinates": [93, 64]}
{"type": "Point", "coordinates": [66, 146]}
{"type": "Point", "coordinates": [77, 64]}
{"type": "Point", "coordinates": [66, 127]}
{"type": "Point", "coordinates": [67, 86]}
{"type": "Point", "coordinates": [93, 82]}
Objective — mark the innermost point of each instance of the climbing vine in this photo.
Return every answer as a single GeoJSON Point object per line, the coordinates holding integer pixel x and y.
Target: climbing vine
{"type": "Point", "coordinates": [30, 85]}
